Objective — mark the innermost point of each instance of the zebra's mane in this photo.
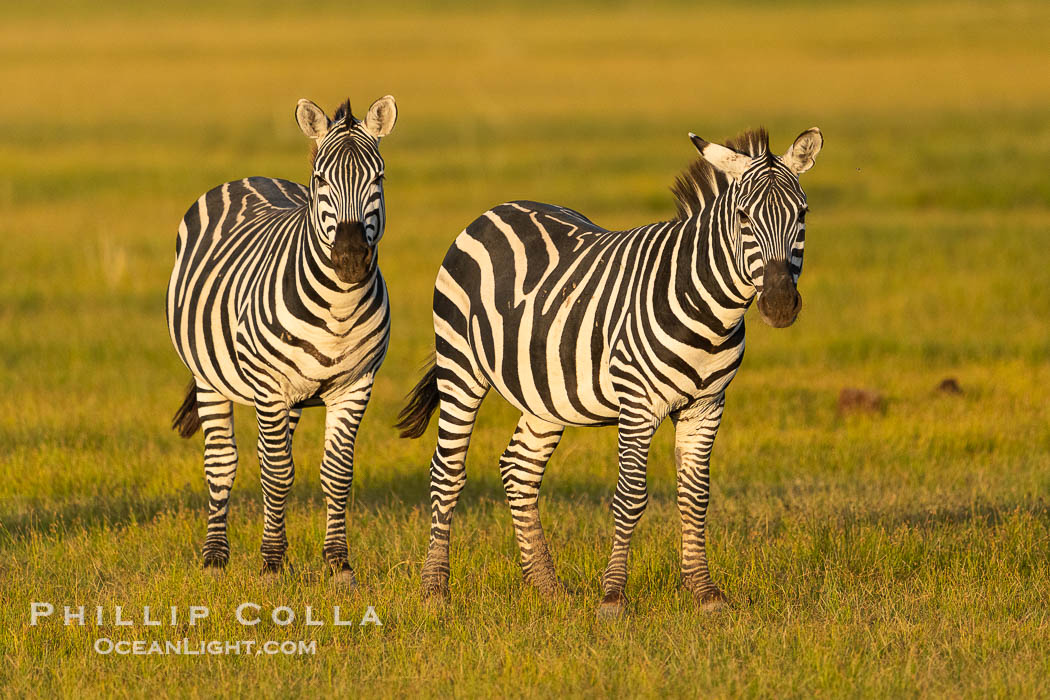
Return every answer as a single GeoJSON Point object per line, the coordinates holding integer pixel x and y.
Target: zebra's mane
{"type": "Point", "coordinates": [700, 183]}
{"type": "Point", "coordinates": [342, 112]}
{"type": "Point", "coordinates": [753, 142]}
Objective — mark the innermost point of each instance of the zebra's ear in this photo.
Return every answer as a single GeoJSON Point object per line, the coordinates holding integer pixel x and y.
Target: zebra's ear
{"type": "Point", "coordinates": [381, 117]}
{"type": "Point", "coordinates": [727, 160]}
{"type": "Point", "coordinates": [312, 119]}
{"type": "Point", "coordinates": [804, 151]}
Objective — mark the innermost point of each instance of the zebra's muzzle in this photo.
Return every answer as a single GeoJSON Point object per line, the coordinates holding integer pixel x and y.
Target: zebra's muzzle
{"type": "Point", "coordinates": [351, 254]}
{"type": "Point", "coordinates": [779, 301]}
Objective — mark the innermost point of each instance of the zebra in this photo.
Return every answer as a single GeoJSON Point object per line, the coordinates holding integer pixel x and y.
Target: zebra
{"type": "Point", "coordinates": [575, 325]}
{"type": "Point", "coordinates": [276, 301]}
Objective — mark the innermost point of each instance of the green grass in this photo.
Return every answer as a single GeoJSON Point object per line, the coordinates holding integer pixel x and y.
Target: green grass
{"type": "Point", "coordinates": [905, 553]}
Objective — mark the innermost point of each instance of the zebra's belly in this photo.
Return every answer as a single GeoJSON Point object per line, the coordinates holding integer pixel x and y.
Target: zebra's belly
{"type": "Point", "coordinates": [545, 371]}
{"type": "Point", "coordinates": [589, 391]}
{"type": "Point", "coordinates": [559, 409]}
{"type": "Point", "coordinates": [576, 377]}
{"type": "Point", "coordinates": [292, 363]}
{"type": "Point", "coordinates": [319, 363]}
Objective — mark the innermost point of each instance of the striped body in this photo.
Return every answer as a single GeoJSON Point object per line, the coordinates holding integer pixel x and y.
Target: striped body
{"type": "Point", "coordinates": [577, 325]}
{"type": "Point", "coordinates": [570, 322]}
{"type": "Point", "coordinates": [276, 301]}
{"type": "Point", "coordinates": [249, 283]}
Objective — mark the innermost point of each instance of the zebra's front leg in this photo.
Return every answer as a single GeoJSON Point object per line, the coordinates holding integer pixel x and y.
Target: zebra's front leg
{"type": "Point", "coordinates": [521, 467]}
{"type": "Point", "coordinates": [629, 502]}
{"type": "Point", "coordinates": [695, 430]}
{"type": "Point", "coordinates": [220, 469]}
{"type": "Point", "coordinates": [276, 472]}
{"type": "Point", "coordinates": [342, 419]}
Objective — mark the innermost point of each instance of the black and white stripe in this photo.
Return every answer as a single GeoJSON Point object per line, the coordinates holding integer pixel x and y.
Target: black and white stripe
{"type": "Point", "coordinates": [577, 325]}
{"type": "Point", "coordinates": [276, 301]}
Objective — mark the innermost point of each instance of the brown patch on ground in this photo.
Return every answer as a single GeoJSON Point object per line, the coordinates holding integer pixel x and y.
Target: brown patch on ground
{"type": "Point", "coordinates": [853, 400]}
{"type": "Point", "coordinates": [949, 385]}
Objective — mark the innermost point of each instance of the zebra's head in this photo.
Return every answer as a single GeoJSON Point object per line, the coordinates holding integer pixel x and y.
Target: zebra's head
{"type": "Point", "coordinates": [346, 187]}
{"type": "Point", "coordinates": [770, 215]}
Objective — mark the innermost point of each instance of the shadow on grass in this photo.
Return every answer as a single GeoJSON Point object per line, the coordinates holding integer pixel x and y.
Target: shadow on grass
{"type": "Point", "coordinates": [126, 508]}
{"type": "Point", "coordinates": [842, 523]}
{"type": "Point", "coordinates": [382, 494]}
{"type": "Point", "coordinates": [988, 514]}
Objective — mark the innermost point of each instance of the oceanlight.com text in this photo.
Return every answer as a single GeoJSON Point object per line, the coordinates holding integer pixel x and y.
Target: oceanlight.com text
{"type": "Point", "coordinates": [187, 647]}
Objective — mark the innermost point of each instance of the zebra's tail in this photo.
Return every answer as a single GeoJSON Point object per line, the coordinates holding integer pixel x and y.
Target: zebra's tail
{"type": "Point", "coordinates": [422, 402]}
{"type": "Point", "coordinates": [187, 421]}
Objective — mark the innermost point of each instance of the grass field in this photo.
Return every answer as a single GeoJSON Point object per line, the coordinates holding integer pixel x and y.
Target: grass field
{"type": "Point", "coordinates": [904, 553]}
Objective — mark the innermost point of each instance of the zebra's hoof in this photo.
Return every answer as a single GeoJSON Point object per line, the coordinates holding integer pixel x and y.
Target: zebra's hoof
{"type": "Point", "coordinates": [343, 579]}
{"type": "Point", "coordinates": [711, 601]}
{"type": "Point", "coordinates": [613, 606]}
{"type": "Point", "coordinates": [214, 564]}
{"type": "Point", "coordinates": [271, 571]}
{"type": "Point", "coordinates": [712, 606]}
{"type": "Point", "coordinates": [435, 590]}
{"type": "Point", "coordinates": [550, 589]}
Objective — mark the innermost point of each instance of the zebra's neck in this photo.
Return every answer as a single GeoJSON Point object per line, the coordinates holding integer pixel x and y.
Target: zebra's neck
{"type": "Point", "coordinates": [717, 293]}
{"type": "Point", "coordinates": [325, 287]}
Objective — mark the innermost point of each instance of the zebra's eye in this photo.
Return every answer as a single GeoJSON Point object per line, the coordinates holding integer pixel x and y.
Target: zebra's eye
{"type": "Point", "coordinates": [379, 179]}
{"type": "Point", "coordinates": [744, 218]}
{"type": "Point", "coordinates": [321, 182]}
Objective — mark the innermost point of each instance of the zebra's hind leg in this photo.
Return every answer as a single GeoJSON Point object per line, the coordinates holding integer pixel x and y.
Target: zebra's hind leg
{"type": "Point", "coordinates": [695, 430]}
{"type": "Point", "coordinates": [342, 419]}
{"type": "Point", "coordinates": [459, 401]}
{"type": "Point", "coordinates": [629, 502]}
{"type": "Point", "coordinates": [220, 469]}
{"type": "Point", "coordinates": [293, 421]}
{"type": "Point", "coordinates": [276, 472]}
{"type": "Point", "coordinates": [521, 468]}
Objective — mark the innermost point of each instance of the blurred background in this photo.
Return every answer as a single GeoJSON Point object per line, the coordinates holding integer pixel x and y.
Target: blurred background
{"type": "Point", "coordinates": [925, 255]}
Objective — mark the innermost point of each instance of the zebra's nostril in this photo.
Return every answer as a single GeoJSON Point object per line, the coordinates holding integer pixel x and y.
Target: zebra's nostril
{"type": "Point", "coordinates": [351, 254]}
{"type": "Point", "coordinates": [779, 305]}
